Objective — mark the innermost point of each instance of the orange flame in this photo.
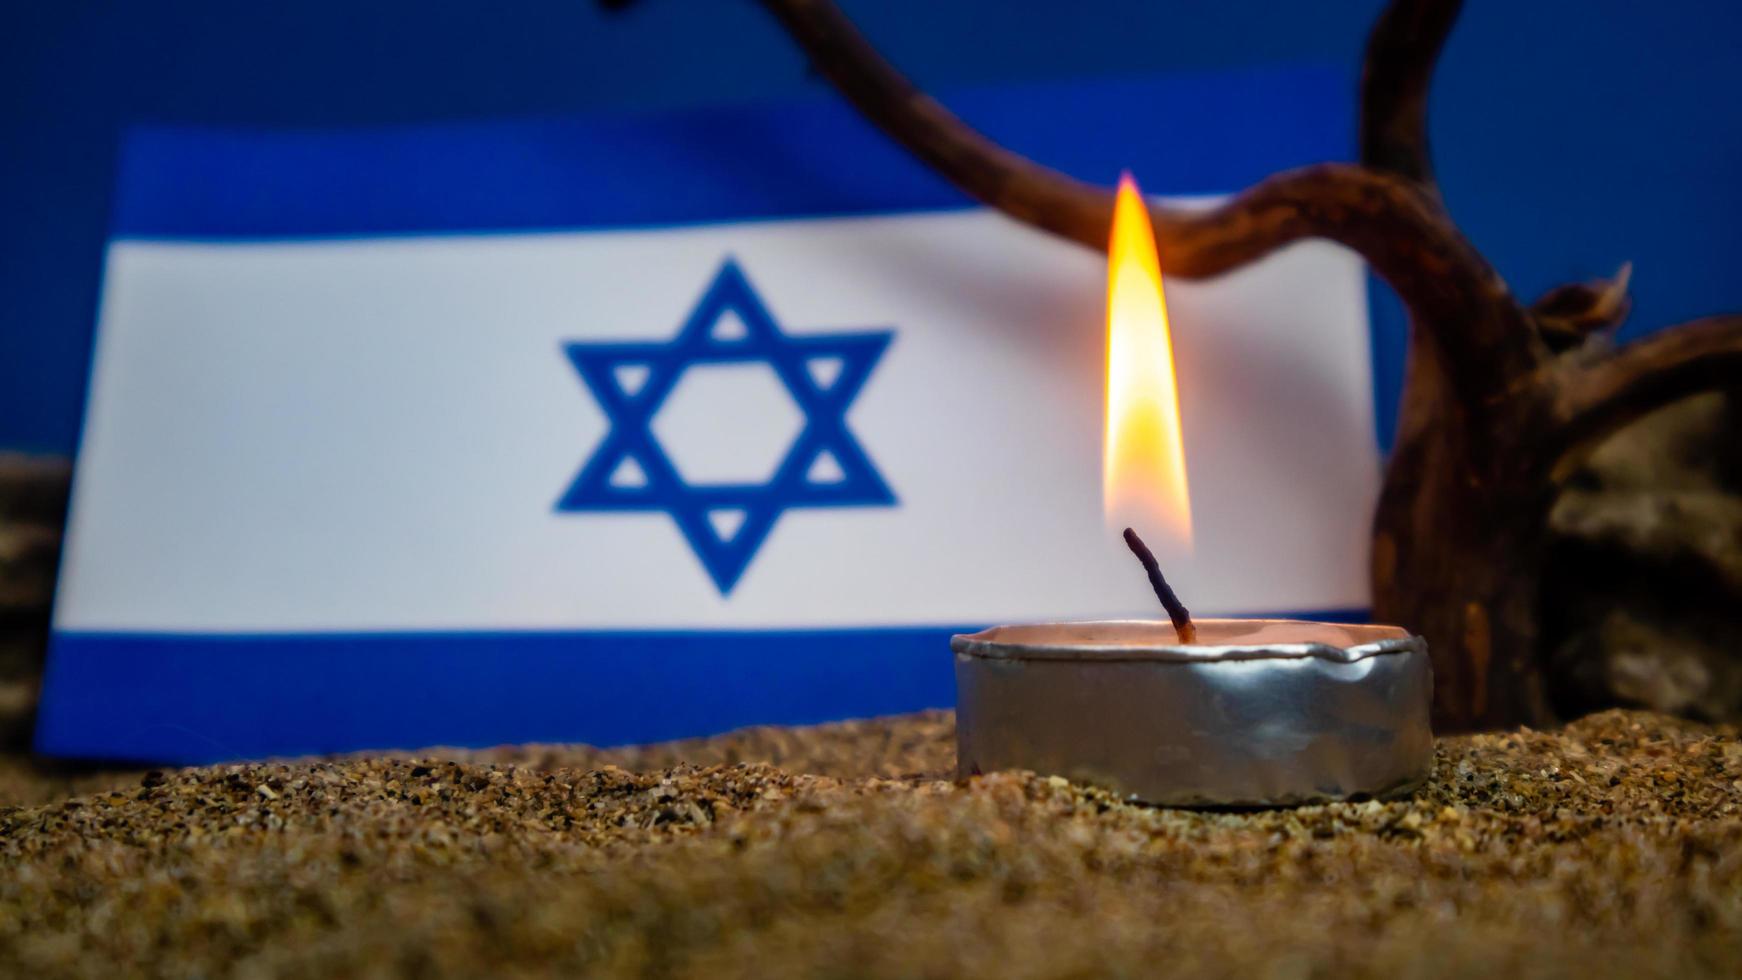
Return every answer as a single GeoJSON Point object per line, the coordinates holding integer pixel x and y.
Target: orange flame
{"type": "Point", "coordinates": [1143, 479]}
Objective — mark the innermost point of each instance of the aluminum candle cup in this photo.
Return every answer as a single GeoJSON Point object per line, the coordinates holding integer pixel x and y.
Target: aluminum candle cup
{"type": "Point", "coordinates": [1258, 712]}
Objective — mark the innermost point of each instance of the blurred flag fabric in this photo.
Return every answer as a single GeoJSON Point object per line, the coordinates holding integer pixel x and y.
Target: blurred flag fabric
{"type": "Point", "coordinates": [643, 426]}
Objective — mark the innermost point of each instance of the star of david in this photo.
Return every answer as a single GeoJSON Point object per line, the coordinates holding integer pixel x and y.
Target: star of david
{"type": "Point", "coordinates": [803, 477]}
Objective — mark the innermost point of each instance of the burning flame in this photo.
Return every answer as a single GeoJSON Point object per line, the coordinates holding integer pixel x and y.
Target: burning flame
{"type": "Point", "coordinates": [1143, 479]}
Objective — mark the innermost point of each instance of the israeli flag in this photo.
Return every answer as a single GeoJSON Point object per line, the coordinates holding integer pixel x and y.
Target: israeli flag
{"type": "Point", "coordinates": [637, 427]}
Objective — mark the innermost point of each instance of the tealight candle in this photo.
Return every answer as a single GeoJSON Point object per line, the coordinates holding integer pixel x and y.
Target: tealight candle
{"type": "Point", "coordinates": [1215, 712]}
{"type": "Point", "coordinates": [1257, 712]}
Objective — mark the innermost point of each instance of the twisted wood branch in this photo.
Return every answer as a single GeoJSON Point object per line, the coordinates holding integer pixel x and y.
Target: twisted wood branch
{"type": "Point", "coordinates": [1595, 395]}
{"type": "Point", "coordinates": [1388, 218]}
{"type": "Point", "coordinates": [1402, 52]}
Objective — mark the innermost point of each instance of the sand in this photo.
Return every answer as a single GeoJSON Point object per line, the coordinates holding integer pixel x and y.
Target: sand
{"type": "Point", "coordinates": [1612, 847]}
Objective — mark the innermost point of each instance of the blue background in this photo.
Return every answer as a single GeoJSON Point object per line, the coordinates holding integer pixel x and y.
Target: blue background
{"type": "Point", "coordinates": [1570, 136]}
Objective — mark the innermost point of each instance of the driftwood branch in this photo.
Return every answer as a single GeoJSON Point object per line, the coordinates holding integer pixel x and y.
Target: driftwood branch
{"type": "Point", "coordinates": [1566, 316]}
{"type": "Point", "coordinates": [1401, 54]}
{"type": "Point", "coordinates": [1390, 220]}
{"type": "Point", "coordinates": [1592, 400]}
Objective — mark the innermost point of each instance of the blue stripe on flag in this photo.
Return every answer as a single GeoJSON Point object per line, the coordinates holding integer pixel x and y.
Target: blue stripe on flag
{"type": "Point", "coordinates": [1187, 134]}
{"type": "Point", "coordinates": [208, 697]}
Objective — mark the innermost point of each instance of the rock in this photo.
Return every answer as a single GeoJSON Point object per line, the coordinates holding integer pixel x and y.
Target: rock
{"type": "Point", "coordinates": [1643, 593]}
{"type": "Point", "coordinates": [33, 504]}
{"type": "Point", "coordinates": [29, 556]}
{"type": "Point", "coordinates": [33, 489]}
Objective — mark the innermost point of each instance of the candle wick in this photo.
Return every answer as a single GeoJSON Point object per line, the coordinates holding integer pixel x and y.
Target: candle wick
{"type": "Point", "coordinates": [1176, 610]}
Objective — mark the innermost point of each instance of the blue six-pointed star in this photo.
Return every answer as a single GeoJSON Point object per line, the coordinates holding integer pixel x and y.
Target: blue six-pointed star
{"type": "Point", "coordinates": [799, 480]}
